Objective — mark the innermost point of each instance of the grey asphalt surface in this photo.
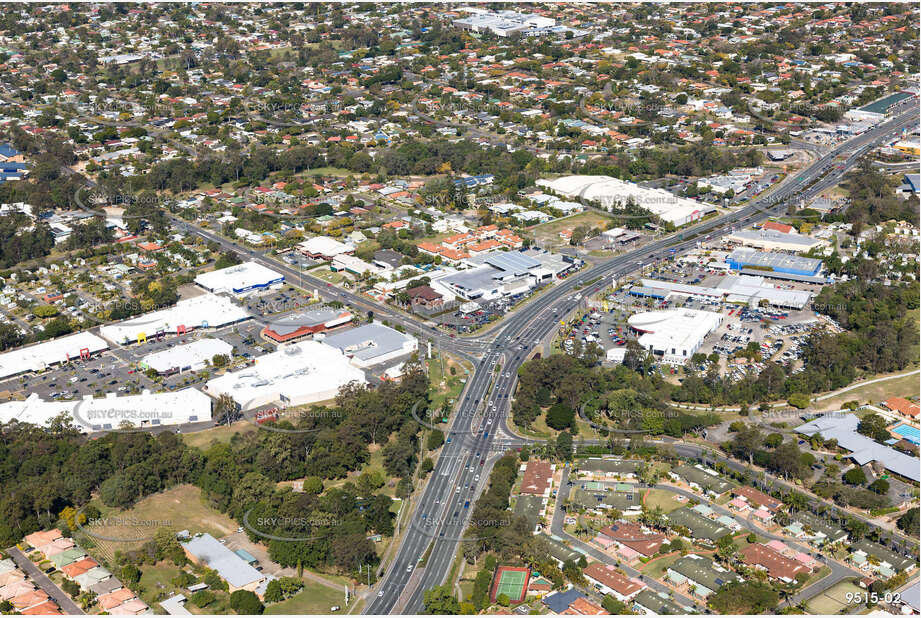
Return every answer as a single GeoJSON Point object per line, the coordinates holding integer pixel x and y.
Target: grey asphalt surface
{"type": "Point", "coordinates": [42, 581]}
{"type": "Point", "coordinates": [523, 325]}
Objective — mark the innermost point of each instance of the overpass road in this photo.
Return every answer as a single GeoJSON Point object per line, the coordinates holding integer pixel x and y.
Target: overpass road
{"type": "Point", "coordinates": [479, 430]}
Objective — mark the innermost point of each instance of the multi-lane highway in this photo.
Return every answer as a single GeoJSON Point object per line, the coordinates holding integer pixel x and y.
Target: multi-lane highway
{"type": "Point", "coordinates": [478, 431]}
{"type": "Point", "coordinates": [440, 516]}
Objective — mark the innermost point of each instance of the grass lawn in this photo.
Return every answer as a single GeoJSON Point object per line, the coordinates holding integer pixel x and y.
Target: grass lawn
{"type": "Point", "coordinates": [312, 599]}
{"type": "Point", "coordinates": [444, 387]}
{"type": "Point", "coordinates": [820, 574]}
{"type": "Point", "coordinates": [155, 583]}
{"type": "Point", "coordinates": [327, 171]}
{"type": "Point", "coordinates": [832, 600]}
{"type": "Point", "coordinates": [663, 499]}
{"type": "Point", "coordinates": [179, 508]}
{"type": "Point", "coordinates": [549, 232]}
{"type": "Point", "coordinates": [656, 568]}
{"type": "Point", "coordinates": [218, 435]}
{"type": "Point", "coordinates": [906, 386]}
{"type": "Point", "coordinates": [468, 575]}
{"type": "Point", "coordinates": [323, 272]}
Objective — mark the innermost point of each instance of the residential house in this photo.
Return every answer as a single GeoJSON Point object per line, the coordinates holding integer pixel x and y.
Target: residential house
{"type": "Point", "coordinates": [205, 550]}
{"type": "Point", "coordinates": [777, 565]}
{"type": "Point", "coordinates": [609, 581]}
{"type": "Point", "coordinates": [698, 576]}
{"type": "Point", "coordinates": [538, 478]}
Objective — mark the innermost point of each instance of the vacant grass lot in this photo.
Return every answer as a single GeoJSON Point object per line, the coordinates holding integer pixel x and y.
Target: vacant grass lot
{"type": "Point", "coordinates": [549, 233]}
{"type": "Point", "coordinates": [656, 568]}
{"type": "Point", "coordinates": [446, 387]}
{"type": "Point", "coordinates": [906, 386]}
{"type": "Point", "coordinates": [312, 599]}
{"type": "Point", "coordinates": [216, 435]}
{"type": "Point", "coordinates": [663, 499]}
{"type": "Point", "coordinates": [179, 508]}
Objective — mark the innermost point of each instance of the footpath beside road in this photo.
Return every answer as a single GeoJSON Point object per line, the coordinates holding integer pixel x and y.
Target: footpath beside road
{"type": "Point", "coordinates": [44, 582]}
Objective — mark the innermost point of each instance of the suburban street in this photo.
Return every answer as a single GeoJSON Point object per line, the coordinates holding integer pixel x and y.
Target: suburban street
{"type": "Point", "coordinates": [42, 581]}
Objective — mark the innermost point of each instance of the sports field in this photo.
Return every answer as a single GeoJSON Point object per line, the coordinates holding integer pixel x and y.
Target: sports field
{"type": "Point", "coordinates": [832, 600]}
{"type": "Point", "coordinates": [512, 582]}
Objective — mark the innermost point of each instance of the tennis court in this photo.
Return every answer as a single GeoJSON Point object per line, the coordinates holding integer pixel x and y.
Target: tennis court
{"type": "Point", "coordinates": [512, 582]}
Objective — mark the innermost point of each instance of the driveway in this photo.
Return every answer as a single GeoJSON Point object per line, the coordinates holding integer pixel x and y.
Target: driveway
{"type": "Point", "coordinates": [42, 581]}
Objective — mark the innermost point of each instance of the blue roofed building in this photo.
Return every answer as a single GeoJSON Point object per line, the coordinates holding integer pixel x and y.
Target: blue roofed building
{"type": "Point", "coordinates": [911, 184]}
{"type": "Point", "coordinates": [8, 154]}
{"type": "Point", "coordinates": [13, 171]}
{"type": "Point", "coordinates": [559, 602]}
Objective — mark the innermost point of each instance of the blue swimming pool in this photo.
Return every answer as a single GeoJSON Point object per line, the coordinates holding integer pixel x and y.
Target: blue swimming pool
{"type": "Point", "coordinates": [908, 432]}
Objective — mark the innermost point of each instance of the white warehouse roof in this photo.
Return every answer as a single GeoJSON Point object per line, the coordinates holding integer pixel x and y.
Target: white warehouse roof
{"type": "Point", "coordinates": [736, 289]}
{"type": "Point", "coordinates": [189, 356]}
{"type": "Point", "coordinates": [609, 191]}
{"type": "Point", "coordinates": [324, 246]}
{"type": "Point", "coordinates": [295, 374]}
{"type": "Point", "coordinates": [41, 355]}
{"type": "Point", "coordinates": [372, 344]}
{"type": "Point", "coordinates": [239, 279]}
{"type": "Point", "coordinates": [145, 410]}
{"type": "Point", "coordinates": [205, 311]}
{"type": "Point", "coordinates": [674, 332]}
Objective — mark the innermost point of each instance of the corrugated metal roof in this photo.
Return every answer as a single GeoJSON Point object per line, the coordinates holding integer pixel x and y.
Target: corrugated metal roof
{"type": "Point", "coordinates": [843, 428]}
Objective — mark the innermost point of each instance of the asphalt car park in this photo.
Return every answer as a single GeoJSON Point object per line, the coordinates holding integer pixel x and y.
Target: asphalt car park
{"type": "Point", "coordinates": [489, 311]}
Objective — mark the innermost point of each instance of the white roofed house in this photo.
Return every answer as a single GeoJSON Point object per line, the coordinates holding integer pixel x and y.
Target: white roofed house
{"type": "Point", "coordinates": [323, 248]}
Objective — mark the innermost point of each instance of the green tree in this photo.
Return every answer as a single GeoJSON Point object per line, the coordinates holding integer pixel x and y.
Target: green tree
{"type": "Point", "coordinates": [436, 439]}
{"type": "Point", "coordinates": [313, 485]}
{"type": "Point", "coordinates": [439, 600]}
{"type": "Point", "coordinates": [564, 446]}
{"type": "Point", "coordinates": [855, 476]}
{"type": "Point", "coordinates": [910, 522]}
{"type": "Point", "coordinates": [246, 602]}
{"type": "Point", "coordinates": [880, 486]}
{"type": "Point", "coordinates": [748, 597]}
{"type": "Point", "coordinates": [202, 598]}
{"type": "Point", "coordinates": [798, 400]}
{"type": "Point", "coordinates": [874, 426]}
{"type": "Point", "coordinates": [273, 593]}
{"type": "Point", "coordinates": [131, 574]}
{"type": "Point", "coordinates": [560, 416]}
